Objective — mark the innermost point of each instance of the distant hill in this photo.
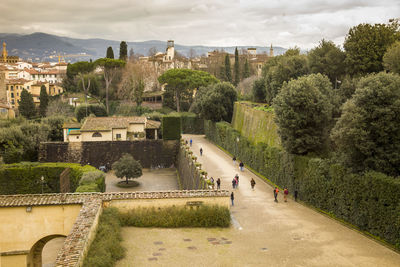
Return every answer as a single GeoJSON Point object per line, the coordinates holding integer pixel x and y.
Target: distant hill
{"type": "Point", "coordinates": [46, 47]}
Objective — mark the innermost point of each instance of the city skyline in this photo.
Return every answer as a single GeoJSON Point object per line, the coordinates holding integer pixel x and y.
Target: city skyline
{"type": "Point", "coordinates": [210, 23]}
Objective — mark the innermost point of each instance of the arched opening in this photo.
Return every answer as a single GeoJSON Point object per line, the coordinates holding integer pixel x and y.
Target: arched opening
{"type": "Point", "coordinates": [35, 254]}
{"type": "Point", "coordinates": [96, 134]}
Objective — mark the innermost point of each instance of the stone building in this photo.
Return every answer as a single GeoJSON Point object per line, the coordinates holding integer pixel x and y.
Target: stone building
{"type": "Point", "coordinates": [5, 58]}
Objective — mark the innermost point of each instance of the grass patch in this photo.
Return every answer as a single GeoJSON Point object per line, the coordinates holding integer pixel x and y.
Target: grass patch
{"type": "Point", "coordinates": [106, 248]}
{"type": "Point", "coordinates": [174, 217]}
{"type": "Point", "coordinates": [123, 184]}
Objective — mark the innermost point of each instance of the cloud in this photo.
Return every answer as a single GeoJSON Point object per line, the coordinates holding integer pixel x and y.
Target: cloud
{"type": "Point", "coordinates": [209, 22]}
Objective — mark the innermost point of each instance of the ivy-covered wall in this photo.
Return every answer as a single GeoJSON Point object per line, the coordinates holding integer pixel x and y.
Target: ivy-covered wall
{"type": "Point", "coordinates": [171, 128]}
{"type": "Point", "coordinates": [25, 177]}
{"type": "Point", "coordinates": [370, 201]}
{"type": "Point", "coordinates": [189, 175]}
{"type": "Point", "coordinates": [255, 124]}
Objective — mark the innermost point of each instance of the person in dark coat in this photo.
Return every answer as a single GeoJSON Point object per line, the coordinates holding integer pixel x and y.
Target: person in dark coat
{"type": "Point", "coordinates": [218, 183]}
{"type": "Point", "coordinates": [234, 183]}
{"type": "Point", "coordinates": [201, 151]}
{"type": "Point", "coordinates": [241, 165]}
{"type": "Point", "coordinates": [252, 183]}
{"type": "Point", "coordinates": [232, 198]}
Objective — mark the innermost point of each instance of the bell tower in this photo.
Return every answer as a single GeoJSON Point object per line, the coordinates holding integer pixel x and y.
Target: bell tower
{"type": "Point", "coordinates": [4, 54]}
{"type": "Point", "coordinates": [271, 51]}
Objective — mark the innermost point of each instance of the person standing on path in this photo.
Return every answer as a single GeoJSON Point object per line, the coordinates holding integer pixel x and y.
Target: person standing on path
{"type": "Point", "coordinates": [218, 183]}
{"type": "Point", "coordinates": [285, 193]}
{"type": "Point", "coordinates": [237, 180]}
{"type": "Point", "coordinates": [276, 191]}
{"type": "Point", "coordinates": [295, 195]}
{"type": "Point", "coordinates": [233, 183]}
{"type": "Point", "coordinates": [252, 183]}
{"type": "Point", "coordinates": [232, 198]}
{"type": "Point", "coordinates": [191, 142]}
{"type": "Point", "coordinates": [241, 165]}
{"type": "Point", "coordinates": [234, 160]}
{"type": "Point", "coordinates": [201, 151]}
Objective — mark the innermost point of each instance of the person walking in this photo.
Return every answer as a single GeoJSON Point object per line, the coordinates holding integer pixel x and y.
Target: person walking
{"type": "Point", "coordinates": [233, 183]}
{"type": "Point", "coordinates": [201, 151]}
{"type": "Point", "coordinates": [237, 180]}
{"type": "Point", "coordinates": [285, 194]}
{"type": "Point", "coordinates": [232, 198]}
{"type": "Point", "coordinates": [252, 183]}
{"type": "Point", "coordinates": [295, 195]}
{"type": "Point", "coordinates": [241, 165]}
{"type": "Point", "coordinates": [212, 182]}
{"type": "Point", "coordinates": [276, 191]}
{"type": "Point", "coordinates": [218, 183]}
{"type": "Point", "coordinates": [191, 141]}
{"type": "Point", "coordinates": [234, 160]}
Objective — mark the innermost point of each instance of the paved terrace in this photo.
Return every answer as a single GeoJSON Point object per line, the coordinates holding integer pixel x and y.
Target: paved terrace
{"type": "Point", "coordinates": [83, 230]}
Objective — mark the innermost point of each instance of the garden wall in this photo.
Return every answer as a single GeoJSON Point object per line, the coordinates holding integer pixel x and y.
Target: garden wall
{"type": "Point", "coordinates": [257, 125]}
{"type": "Point", "coordinates": [150, 153]}
{"type": "Point", "coordinates": [370, 201]}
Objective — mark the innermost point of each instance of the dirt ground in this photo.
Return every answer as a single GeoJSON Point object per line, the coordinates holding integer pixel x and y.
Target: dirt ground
{"type": "Point", "coordinates": [264, 233]}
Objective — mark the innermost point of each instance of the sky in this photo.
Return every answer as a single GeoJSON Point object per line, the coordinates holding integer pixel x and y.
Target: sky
{"type": "Point", "coordinates": [285, 23]}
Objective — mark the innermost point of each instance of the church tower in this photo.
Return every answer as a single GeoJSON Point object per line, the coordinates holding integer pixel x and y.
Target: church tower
{"type": "Point", "coordinates": [271, 51]}
{"type": "Point", "coordinates": [4, 53]}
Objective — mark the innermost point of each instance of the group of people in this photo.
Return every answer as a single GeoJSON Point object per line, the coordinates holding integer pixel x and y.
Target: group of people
{"type": "Point", "coordinates": [285, 194]}
{"type": "Point", "coordinates": [213, 183]}
{"type": "Point", "coordinates": [241, 164]}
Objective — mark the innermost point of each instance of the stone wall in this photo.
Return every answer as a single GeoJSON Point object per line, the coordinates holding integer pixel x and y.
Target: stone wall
{"type": "Point", "coordinates": [189, 176]}
{"type": "Point", "coordinates": [150, 153]}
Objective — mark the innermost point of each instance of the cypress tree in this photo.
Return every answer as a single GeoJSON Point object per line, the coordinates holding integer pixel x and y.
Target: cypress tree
{"type": "Point", "coordinates": [246, 71]}
{"type": "Point", "coordinates": [26, 105]}
{"type": "Point", "coordinates": [110, 53]}
{"type": "Point", "coordinates": [228, 72]}
{"type": "Point", "coordinates": [44, 101]}
{"type": "Point", "coordinates": [123, 51]}
{"type": "Point", "coordinates": [236, 68]}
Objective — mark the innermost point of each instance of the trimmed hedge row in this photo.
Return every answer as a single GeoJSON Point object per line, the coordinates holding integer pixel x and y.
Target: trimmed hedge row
{"type": "Point", "coordinates": [24, 177]}
{"type": "Point", "coordinates": [171, 128]}
{"type": "Point", "coordinates": [370, 201]}
{"type": "Point", "coordinates": [190, 122]}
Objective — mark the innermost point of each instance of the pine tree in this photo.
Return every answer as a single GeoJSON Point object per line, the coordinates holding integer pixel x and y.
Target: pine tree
{"type": "Point", "coordinates": [246, 70]}
{"type": "Point", "coordinates": [26, 106]}
{"type": "Point", "coordinates": [236, 68]}
{"type": "Point", "coordinates": [44, 101]}
{"type": "Point", "coordinates": [123, 51]}
{"type": "Point", "coordinates": [228, 72]}
{"type": "Point", "coordinates": [110, 53]}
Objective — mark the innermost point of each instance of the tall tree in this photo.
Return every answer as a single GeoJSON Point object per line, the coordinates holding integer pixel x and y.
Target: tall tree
{"type": "Point", "coordinates": [110, 69]}
{"type": "Point", "coordinates": [391, 59]}
{"type": "Point", "coordinates": [26, 105]}
{"type": "Point", "coordinates": [304, 113]}
{"type": "Point", "coordinates": [82, 68]}
{"type": "Point", "coordinates": [228, 72]}
{"type": "Point", "coordinates": [182, 82]}
{"type": "Point", "coordinates": [246, 69]}
{"type": "Point", "coordinates": [236, 68]}
{"type": "Point", "coordinates": [44, 101]}
{"type": "Point", "coordinates": [368, 132]}
{"type": "Point", "coordinates": [110, 53]}
{"type": "Point", "coordinates": [127, 167]}
{"type": "Point", "coordinates": [365, 46]}
{"type": "Point", "coordinates": [327, 59]}
{"type": "Point", "coordinates": [123, 51]}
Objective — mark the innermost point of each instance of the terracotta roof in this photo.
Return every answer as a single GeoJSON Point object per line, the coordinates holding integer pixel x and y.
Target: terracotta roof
{"type": "Point", "coordinates": [109, 123]}
{"type": "Point", "coordinates": [16, 81]}
{"type": "Point", "coordinates": [150, 124]}
{"type": "Point", "coordinates": [69, 125]}
{"type": "Point", "coordinates": [74, 132]}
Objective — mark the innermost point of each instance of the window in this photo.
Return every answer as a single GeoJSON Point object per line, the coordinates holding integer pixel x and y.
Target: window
{"type": "Point", "coordinates": [12, 88]}
{"type": "Point", "coordinates": [17, 94]}
{"type": "Point", "coordinates": [96, 134]}
{"type": "Point", "coordinates": [12, 95]}
{"type": "Point", "coordinates": [118, 136]}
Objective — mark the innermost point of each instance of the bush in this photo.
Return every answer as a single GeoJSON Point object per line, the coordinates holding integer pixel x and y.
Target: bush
{"type": "Point", "coordinates": [171, 128]}
{"type": "Point", "coordinates": [370, 201]}
{"type": "Point", "coordinates": [97, 109]}
{"type": "Point", "coordinates": [106, 248]}
{"type": "Point", "coordinates": [173, 217]}
{"type": "Point", "coordinates": [24, 177]}
{"type": "Point", "coordinates": [96, 178]}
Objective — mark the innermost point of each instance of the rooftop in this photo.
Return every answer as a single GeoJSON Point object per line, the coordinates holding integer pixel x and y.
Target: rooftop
{"type": "Point", "coordinates": [109, 123]}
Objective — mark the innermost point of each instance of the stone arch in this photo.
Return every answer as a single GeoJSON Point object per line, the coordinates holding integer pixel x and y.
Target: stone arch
{"type": "Point", "coordinates": [96, 134]}
{"type": "Point", "coordinates": [35, 254]}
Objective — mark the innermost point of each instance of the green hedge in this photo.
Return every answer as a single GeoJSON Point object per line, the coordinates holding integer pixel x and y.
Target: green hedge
{"type": "Point", "coordinates": [173, 217]}
{"type": "Point", "coordinates": [190, 122]}
{"type": "Point", "coordinates": [171, 128]}
{"type": "Point", "coordinates": [370, 201]}
{"type": "Point", "coordinates": [92, 181]}
{"type": "Point", "coordinates": [106, 248]}
{"type": "Point", "coordinates": [24, 177]}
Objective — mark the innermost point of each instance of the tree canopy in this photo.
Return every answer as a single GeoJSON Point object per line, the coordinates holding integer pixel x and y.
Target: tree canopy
{"type": "Point", "coordinates": [110, 53]}
{"type": "Point", "coordinates": [181, 83]}
{"type": "Point", "coordinates": [215, 102]}
{"type": "Point", "coordinates": [44, 101]}
{"type": "Point", "coordinates": [123, 51]}
{"type": "Point", "coordinates": [236, 68]}
{"type": "Point", "coordinates": [304, 113]}
{"type": "Point", "coordinates": [365, 45]}
{"type": "Point", "coordinates": [368, 132]}
{"type": "Point", "coordinates": [391, 59]}
{"type": "Point", "coordinates": [26, 105]}
{"type": "Point", "coordinates": [127, 167]}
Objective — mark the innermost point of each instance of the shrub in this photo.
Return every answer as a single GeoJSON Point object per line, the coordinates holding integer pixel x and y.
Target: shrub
{"type": "Point", "coordinates": [171, 128]}
{"type": "Point", "coordinates": [173, 217]}
{"type": "Point", "coordinates": [190, 122]}
{"type": "Point", "coordinates": [96, 178]}
{"type": "Point", "coordinates": [106, 248]}
{"type": "Point", "coordinates": [97, 109]}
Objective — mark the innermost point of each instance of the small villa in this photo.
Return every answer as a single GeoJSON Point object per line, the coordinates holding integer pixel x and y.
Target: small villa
{"type": "Point", "coordinates": [111, 129]}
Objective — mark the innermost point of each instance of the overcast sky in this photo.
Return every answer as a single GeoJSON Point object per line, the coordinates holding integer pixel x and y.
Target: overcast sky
{"type": "Point", "coordinates": [204, 22]}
